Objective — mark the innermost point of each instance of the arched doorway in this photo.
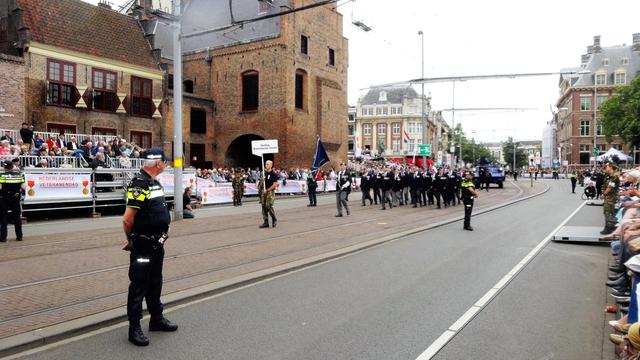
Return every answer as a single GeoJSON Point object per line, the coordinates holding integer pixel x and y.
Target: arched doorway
{"type": "Point", "coordinates": [239, 153]}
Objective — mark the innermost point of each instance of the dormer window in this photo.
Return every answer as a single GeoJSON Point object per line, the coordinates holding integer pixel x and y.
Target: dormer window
{"type": "Point", "coordinates": [605, 62]}
{"type": "Point", "coordinates": [383, 96]}
{"type": "Point", "coordinates": [601, 79]}
{"type": "Point", "coordinates": [625, 61]}
{"type": "Point", "coordinates": [620, 78]}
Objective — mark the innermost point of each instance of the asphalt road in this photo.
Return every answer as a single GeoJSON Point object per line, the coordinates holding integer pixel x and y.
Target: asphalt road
{"type": "Point", "coordinates": [395, 300]}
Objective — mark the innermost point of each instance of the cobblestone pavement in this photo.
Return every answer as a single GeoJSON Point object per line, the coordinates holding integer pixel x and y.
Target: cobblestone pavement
{"type": "Point", "coordinates": [69, 269]}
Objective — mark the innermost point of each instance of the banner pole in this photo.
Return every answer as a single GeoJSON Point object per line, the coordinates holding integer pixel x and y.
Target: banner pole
{"type": "Point", "coordinates": [264, 183]}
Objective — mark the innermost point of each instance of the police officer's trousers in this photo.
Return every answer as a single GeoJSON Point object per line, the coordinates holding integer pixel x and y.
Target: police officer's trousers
{"type": "Point", "coordinates": [145, 274]}
{"type": "Point", "coordinates": [387, 197]}
{"type": "Point", "coordinates": [468, 208]}
{"type": "Point", "coordinates": [10, 202]}
{"type": "Point", "coordinates": [376, 195]}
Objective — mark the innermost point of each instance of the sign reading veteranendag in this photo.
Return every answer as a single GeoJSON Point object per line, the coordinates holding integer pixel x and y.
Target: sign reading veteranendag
{"type": "Point", "coordinates": [259, 147]}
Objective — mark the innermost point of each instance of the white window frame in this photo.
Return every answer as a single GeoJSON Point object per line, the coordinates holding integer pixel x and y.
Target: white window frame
{"type": "Point", "coordinates": [396, 128]}
{"type": "Point", "coordinates": [396, 145]}
{"type": "Point", "coordinates": [624, 78]}
{"type": "Point", "coordinates": [366, 129]}
{"type": "Point", "coordinates": [587, 105]}
{"type": "Point", "coordinates": [585, 126]}
{"type": "Point", "coordinates": [382, 127]}
{"type": "Point", "coordinates": [601, 79]}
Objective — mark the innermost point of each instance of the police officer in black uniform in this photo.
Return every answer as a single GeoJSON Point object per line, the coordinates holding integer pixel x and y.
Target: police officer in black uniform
{"type": "Point", "coordinates": [146, 225]}
{"type": "Point", "coordinates": [376, 183]}
{"type": "Point", "coordinates": [312, 187]}
{"type": "Point", "coordinates": [416, 188]}
{"type": "Point", "coordinates": [439, 187]}
{"type": "Point", "coordinates": [468, 194]}
{"type": "Point", "coordinates": [11, 187]}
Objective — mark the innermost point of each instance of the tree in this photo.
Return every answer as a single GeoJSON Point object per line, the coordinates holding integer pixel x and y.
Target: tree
{"type": "Point", "coordinates": [507, 151]}
{"type": "Point", "coordinates": [471, 151]}
{"type": "Point", "coordinates": [620, 115]}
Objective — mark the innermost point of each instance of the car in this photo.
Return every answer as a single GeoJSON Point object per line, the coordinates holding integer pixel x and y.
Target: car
{"type": "Point", "coordinates": [494, 169]}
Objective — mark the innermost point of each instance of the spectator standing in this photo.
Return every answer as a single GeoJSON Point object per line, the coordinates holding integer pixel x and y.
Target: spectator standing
{"type": "Point", "coordinates": [26, 134]}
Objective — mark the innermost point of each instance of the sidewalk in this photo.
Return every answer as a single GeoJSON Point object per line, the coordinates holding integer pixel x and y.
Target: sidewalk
{"type": "Point", "coordinates": [68, 270]}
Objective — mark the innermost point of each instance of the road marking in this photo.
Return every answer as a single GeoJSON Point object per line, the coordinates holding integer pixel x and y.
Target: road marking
{"type": "Point", "coordinates": [476, 308]}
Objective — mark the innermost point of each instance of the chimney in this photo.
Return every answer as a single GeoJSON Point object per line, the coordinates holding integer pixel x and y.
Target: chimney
{"type": "Point", "coordinates": [635, 45]}
{"type": "Point", "coordinates": [596, 44]}
{"type": "Point", "coordinates": [104, 4]}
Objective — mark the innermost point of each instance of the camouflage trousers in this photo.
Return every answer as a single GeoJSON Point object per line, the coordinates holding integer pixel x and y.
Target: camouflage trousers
{"type": "Point", "coordinates": [266, 200]}
{"type": "Point", "coordinates": [237, 195]}
{"type": "Point", "coordinates": [609, 210]}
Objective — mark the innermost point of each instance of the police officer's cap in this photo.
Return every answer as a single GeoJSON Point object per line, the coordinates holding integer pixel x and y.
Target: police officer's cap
{"type": "Point", "coordinates": [7, 164]}
{"type": "Point", "coordinates": [153, 154]}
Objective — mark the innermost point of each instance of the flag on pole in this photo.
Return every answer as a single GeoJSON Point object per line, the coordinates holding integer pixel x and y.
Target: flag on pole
{"type": "Point", "coordinates": [406, 136]}
{"type": "Point", "coordinates": [320, 158]}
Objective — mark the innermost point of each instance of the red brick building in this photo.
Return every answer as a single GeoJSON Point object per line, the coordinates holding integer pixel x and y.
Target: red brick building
{"type": "Point", "coordinates": [12, 72]}
{"type": "Point", "coordinates": [284, 78]}
{"type": "Point", "coordinates": [85, 69]}
{"type": "Point", "coordinates": [602, 71]}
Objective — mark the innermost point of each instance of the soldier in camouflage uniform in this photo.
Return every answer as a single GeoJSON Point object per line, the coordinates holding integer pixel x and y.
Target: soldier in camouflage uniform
{"type": "Point", "coordinates": [267, 195]}
{"type": "Point", "coordinates": [610, 192]}
{"type": "Point", "coordinates": [238, 186]}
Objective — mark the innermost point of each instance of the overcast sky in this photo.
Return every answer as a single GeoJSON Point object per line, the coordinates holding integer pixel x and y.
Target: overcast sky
{"type": "Point", "coordinates": [470, 37]}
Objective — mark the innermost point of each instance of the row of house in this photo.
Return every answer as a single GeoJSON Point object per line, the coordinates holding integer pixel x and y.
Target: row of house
{"type": "Point", "coordinates": [389, 122]}
{"type": "Point", "coordinates": [72, 67]}
{"type": "Point", "coordinates": [583, 90]}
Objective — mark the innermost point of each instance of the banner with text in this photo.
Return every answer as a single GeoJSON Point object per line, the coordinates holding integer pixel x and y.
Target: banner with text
{"type": "Point", "coordinates": [166, 180]}
{"type": "Point", "coordinates": [52, 187]}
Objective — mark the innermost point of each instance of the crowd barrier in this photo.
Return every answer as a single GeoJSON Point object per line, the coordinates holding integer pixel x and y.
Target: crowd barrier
{"type": "Point", "coordinates": [57, 188]}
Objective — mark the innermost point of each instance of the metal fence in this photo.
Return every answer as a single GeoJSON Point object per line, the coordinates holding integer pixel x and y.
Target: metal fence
{"type": "Point", "coordinates": [10, 133]}
{"type": "Point", "coordinates": [93, 138]}
{"type": "Point", "coordinates": [30, 161]}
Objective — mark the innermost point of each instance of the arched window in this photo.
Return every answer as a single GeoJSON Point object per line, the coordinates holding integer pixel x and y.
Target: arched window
{"type": "Point", "coordinates": [301, 89]}
{"type": "Point", "coordinates": [188, 86]}
{"type": "Point", "coordinates": [250, 90]}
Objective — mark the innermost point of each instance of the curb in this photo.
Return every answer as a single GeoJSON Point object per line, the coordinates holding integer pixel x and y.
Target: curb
{"type": "Point", "coordinates": [51, 334]}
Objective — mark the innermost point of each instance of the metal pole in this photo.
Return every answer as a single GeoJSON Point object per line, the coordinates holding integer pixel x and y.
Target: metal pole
{"type": "Point", "coordinates": [424, 125]}
{"type": "Point", "coordinates": [453, 114]}
{"type": "Point", "coordinates": [514, 154]}
{"type": "Point", "coordinates": [460, 140]}
{"type": "Point", "coordinates": [177, 114]}
{"type": "Point", "coordinates": [595, 121]}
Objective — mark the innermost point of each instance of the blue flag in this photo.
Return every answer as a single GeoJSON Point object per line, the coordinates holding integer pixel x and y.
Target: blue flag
{"type": "Point", "coordinates": [321, 157]}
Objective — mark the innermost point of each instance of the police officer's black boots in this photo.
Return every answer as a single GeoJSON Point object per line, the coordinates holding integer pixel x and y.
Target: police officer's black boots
{"type": "Point", "coordinates": [274, 222]}
{"type": "Point", "coordinates": [162, 324]}
{"type": "Point", "coordinates": [136, 336]}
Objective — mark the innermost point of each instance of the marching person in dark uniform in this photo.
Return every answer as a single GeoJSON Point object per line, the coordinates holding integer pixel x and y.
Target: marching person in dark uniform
{"type": "Point", "coordinates": [146, 226]}
{"type": "Point", "coordinates": [416, 188]}
{"type": "Point", "coordinates": [365, 187]}
{"type": "Point", "coordinates": [312, 187]}
{"type": "Point", "coordinates": [451, 188]}
{"type": "Point", "coordinates": [439, 187]}
{"type": "Point", "coordinates": [11, 187]}
{"type": "Point", "coordinates": [468, 194]}
{"type": "Point", "coordinates": [385, 186]}
{"type": "Point", "coordinates": [237, 182]}
{"type": "Point", "coordinates": [406, 185]}
{"type": "Point", "coordinates": [343, 188]}
{"type": "Point", "coordinates": [427, 187]}
{"type": "Point", "coordinates": [397, 188]}
{"type": "Point", "coordinates": [376, 183]}
{"type": "Point", "coordinates": [268, 195]}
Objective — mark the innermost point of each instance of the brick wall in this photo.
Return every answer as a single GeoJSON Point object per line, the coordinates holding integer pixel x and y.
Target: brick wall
{"type": "Point", "coordinates": [84, 120]}
{"type": "Point", "coordinates": [12, 72]}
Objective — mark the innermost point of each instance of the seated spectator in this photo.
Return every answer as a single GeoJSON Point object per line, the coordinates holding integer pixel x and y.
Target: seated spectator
{"type": "Point", "coordinates": [73, 144]}
{"type": "Point", "coordinates": [123, 161]}
{"type": "Point", "coordinates": [187, 210]}
{"type": "Point", "coordinates": [99, 161]}
{"type": "Point", "coordinates": [43, 163]}
{"type": "Point", "coordinates": [38, 141]}
{"type": "Point", "coordinates": [5, 147]}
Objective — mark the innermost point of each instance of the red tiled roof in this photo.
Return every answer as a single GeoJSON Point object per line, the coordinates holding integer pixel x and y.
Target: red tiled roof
{"type": "Point", "coordinates": [89, 29]}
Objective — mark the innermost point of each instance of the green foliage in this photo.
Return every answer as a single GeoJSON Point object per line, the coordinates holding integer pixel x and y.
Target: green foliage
{"type": "Point", "coordinates": [620, 115]}
{"type": "Point", "coordinates": [471, 151]}
{"type": "Point", "coordinates": [507, 151]}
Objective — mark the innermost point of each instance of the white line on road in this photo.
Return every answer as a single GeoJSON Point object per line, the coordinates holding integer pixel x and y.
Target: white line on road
{"type": "Point", "coordinates": [463, 320]}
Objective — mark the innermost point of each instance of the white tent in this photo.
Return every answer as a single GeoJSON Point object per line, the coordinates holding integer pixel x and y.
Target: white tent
{"type": "Point", "coordinates": [614, 153]}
